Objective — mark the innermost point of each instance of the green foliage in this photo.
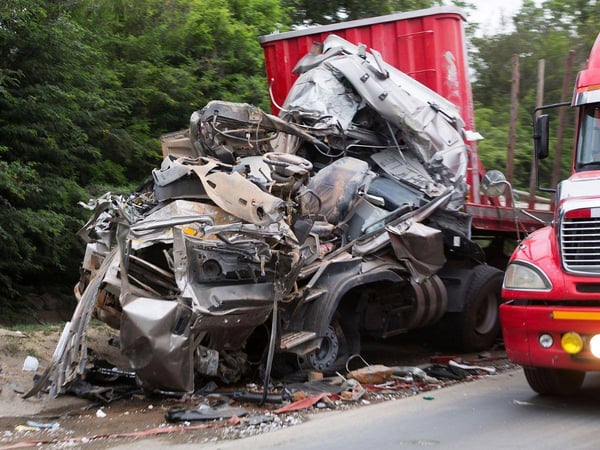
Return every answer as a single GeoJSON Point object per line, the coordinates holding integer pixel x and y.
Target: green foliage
{"type": "Point", "coordinates": [86, 89]}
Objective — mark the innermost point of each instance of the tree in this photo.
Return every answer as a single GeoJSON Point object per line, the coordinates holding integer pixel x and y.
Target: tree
{"type": "Point", "coordinates": [54, 97]}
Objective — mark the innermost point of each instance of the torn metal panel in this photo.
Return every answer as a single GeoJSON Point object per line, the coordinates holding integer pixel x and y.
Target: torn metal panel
{"type": "Point", "coordinates": [421, 246]}
{"type": "Point", "coordinates": [155, 337]}
{"type": "Point", "coordinates": [239, 196]}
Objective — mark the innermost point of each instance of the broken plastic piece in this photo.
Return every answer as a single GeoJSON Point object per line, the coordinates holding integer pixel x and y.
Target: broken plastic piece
{"type": "Point", "coordinates": [31, 364]}
{"type": "Point", "coordinates": [43, 426]}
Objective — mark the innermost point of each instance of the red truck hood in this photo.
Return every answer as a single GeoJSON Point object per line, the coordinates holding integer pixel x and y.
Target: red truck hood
{"type": "Point", "coordinates": [581, 185]}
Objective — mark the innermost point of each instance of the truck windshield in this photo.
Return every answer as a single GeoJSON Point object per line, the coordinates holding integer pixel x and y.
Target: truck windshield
{"type": "Point", "coordinates": [588, 145]}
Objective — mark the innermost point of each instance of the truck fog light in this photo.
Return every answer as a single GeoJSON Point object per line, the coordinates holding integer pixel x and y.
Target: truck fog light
{"type": "Point", "coordinates": [595, 345]}
{"type": "Point", "coordinates": [571, 342]}
{"type": "Point", "coordinates": [545, 340]}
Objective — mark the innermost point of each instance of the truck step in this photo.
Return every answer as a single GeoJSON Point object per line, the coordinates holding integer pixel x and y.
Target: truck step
{"type": "Point", "coordinates": [291, 340]}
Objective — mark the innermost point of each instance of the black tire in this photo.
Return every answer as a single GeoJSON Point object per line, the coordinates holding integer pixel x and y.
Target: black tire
{"type": "Point", "coordinates": [547, 381]}
{"type": "Point", "coordinates": [478, 325]}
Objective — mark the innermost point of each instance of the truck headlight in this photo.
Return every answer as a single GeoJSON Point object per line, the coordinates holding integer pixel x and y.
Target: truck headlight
{"type": "Point", "coordinates": [595, 345]}
{"type": "Point", "coordinates": [524, 276]}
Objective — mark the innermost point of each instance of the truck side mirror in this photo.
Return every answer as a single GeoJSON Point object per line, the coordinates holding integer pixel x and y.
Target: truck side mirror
{"type": "Point", "coordinates": [541, 136]}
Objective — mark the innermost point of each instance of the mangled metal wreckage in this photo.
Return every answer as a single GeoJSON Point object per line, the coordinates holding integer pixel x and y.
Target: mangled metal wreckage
{"type": "Point", "coordinates": [261, 236]}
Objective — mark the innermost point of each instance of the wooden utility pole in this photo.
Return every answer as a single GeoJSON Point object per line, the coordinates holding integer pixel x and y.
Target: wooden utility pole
{"type": "Point", "coordinates": [539, 101]}
{"type": "Point", "coordinates": [562, 119]}
{"type": "Point", "coordinates": [514, 112]}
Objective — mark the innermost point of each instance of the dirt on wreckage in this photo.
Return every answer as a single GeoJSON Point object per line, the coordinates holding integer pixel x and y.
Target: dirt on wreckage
{"type": "Point", "coordinates": [70, 421]}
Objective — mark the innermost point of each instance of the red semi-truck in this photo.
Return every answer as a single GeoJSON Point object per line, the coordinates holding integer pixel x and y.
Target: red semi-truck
{"type": "Point", "coordinates": [551, 315]}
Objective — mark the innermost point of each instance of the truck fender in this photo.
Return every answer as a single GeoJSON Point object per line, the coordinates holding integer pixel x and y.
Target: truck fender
{"type": "Point", "coordinates": [339, 278]}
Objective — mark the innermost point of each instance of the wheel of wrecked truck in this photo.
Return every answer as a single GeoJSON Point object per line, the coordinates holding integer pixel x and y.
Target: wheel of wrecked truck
{"type": "Point", "coordinates": [333, 353]}
{"type": "Point", "coordinates": [478, 324]}
{"type": "Point", "coordinates": [548, 381]}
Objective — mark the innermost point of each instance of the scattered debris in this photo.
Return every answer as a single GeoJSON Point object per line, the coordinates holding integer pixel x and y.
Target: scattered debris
{"type": "Point", "coordinates": [302, 404]}
{"type": "Point", "coordinates": [469, 367]}
{"type": "Point", "coordinates": [371, 374]}
{"type": "Point", "coordinates": [43, 426]}
{"type": "Point", "coordinates": [521, 403]}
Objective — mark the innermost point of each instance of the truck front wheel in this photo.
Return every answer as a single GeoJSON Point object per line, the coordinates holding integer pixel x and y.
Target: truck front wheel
{"type": "Point", "coordinates": [547, 381]}
{"type": "Point", "coordinates": [341, 340]}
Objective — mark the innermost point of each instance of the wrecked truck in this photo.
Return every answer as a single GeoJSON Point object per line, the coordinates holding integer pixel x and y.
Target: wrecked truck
{"type": "Point", "coordinates": [265, 238]}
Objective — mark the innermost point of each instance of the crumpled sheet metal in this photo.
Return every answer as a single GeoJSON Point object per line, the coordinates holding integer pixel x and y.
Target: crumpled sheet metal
{"type": "Point", "coordinates": [70, 356]}
{"type": "Point", "coordinates": [240, 197]}
{"type": "Point", "coordinates": [321, 92]}
{"type": "Point", "coordinates": [430, 123]}
{"type": "Point", "coordinates": [399, 78]}
{"type": "Point", "coordinates": [155, 337]}
{"type": "Point", "coordinates": [430, 132]}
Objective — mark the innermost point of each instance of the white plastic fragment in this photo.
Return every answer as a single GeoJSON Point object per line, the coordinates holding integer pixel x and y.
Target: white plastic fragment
{"type": "Point", "coordinates": [100, 414]}
{"type": "Point", "coordinates": [521, 403]}
{"type": "Point", "coordinates": [488, 369]}
{"type": "Point", "coordinates": [31, 364]}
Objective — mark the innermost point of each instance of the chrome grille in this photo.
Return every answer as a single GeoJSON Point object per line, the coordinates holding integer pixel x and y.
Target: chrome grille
{"type": "Point", "coordinates": [580, 245]}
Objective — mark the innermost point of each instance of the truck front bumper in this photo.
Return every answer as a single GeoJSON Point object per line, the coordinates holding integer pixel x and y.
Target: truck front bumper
{"type": "Point", "coordinates": [522, 326]}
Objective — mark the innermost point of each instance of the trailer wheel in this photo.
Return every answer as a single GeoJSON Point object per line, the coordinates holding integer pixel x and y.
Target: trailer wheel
{"type": "Point", "coordinates": [547, 381]}
{"type": "Point", "coordinates": [478, 324]}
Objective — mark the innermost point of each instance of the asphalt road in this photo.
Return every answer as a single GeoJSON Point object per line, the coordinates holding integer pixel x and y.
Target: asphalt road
{"type": "Point", "coordinates": [498, 412]}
